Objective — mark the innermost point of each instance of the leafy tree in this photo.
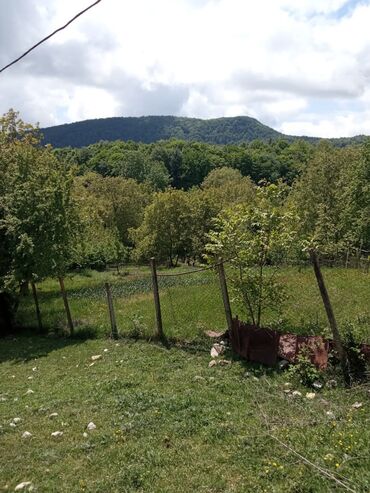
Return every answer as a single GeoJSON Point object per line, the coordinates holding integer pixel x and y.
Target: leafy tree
{"type": "Point", "coordinates": [332, 198]}
{"type": "Point", "coordinates": [166, 229]}
{"type": "Point", "coordinates": [254, 238]}
{"type": "Point", "coordinates": [221, 176]}
{"type": "Point", "coordinates": [37, 215]}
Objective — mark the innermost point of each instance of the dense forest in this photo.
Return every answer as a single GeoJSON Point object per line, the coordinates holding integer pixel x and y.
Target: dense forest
{"type": "Point", "coordinates": [148, 129]}
{"type": "Point", "coordinates": [110, 203]}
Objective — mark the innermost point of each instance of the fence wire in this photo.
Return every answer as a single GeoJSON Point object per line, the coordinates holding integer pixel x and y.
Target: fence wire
{"type": "Point", "coordinates": [191, 300]}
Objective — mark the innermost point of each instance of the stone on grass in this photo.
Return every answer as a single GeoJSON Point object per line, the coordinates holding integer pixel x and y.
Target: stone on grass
{"type": "Point", "coordinates": [26, 434]}
{"type": "Point", "coordinates": [217, 350]}
{"type": "Point", "coordinates": [331, 384]}
{"type": "Point", "coordinates": [29, 392]}
{"type": "Point", "coordinates": [310, 395]}
{"type": "Point", "coordinates": [57, 434]}
{"type": "Point", "coordinates": [105, 350]}
{"type": "Point", "coordinates": [317, 385]}
{"type": "Point", "coordinates": [12, 425]}
{"type": "Point", "coordinates": [357, 405]}
{"type": "Point", "coordinates": [283, 364]}
{"type": "Point", "coordinates": [224, 362]}
{"type": "Point", "coordinates": [53, 415]}
{"type": "Point", "coordinates": [23, 486]}
{"type": "Point", "coordinates": [91, 426]}
{"type": "Point", "coordinates": [16, 420]}
{"type": "Point", "coordinates": [296, 393]}
{"type": "Point", "coordinates": [96, 357]}
{"type": "Point", "coordinates": [212, 363]}
{"type": "Point", "coordinates": [84, 434]}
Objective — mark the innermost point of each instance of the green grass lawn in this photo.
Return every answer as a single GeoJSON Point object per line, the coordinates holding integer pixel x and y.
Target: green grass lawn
{"type": "Point", "coordinates": [166, 422]}
{"type": "Point", "coordinates": [192, 303]}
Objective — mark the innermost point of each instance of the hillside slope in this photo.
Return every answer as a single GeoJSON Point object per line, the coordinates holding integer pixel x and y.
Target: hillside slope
{"type": "Point", "coordinates": [149, 129]}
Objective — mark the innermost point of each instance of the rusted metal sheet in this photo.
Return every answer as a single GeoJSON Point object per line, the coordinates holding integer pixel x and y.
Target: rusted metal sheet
{"type": "Point", "coordinates": [365, 350]}
{"type": "Point", "coordinates": [255, 344]}
{"type": "Point", "coordinates": [265, 345]}
{"type": "Point", "coordinates": [288, 344]}
{"type": "Point", "coordinates": [317, 348]}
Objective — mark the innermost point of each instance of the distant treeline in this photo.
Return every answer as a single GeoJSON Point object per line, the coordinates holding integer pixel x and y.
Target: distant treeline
{"type": "Point", "coordinates": [149, 129]}
{"type": "Point", "coordinates": [183, 165]}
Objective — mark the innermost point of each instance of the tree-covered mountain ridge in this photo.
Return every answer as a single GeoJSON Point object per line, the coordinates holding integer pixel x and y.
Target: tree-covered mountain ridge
{"type": "Point", "coordinates": [148, 129]}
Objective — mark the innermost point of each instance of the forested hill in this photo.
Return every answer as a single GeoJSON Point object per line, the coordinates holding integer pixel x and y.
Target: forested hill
{"type": "Point", "coordinates": [149, 129]}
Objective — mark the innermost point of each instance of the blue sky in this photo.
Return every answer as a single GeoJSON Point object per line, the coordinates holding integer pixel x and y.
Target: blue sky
{"type": "Point", "coordinates": [300, 66]}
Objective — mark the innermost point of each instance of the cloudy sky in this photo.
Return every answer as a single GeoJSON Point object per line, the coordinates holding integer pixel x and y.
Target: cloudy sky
{"type": "Point", "coordinates": [300, 66]}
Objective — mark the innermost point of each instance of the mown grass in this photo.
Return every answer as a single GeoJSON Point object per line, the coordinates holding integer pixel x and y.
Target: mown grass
{"type": "Point", "coordinates": [192, 303]}
{"type": "Point", "coordinates": [166, 422]}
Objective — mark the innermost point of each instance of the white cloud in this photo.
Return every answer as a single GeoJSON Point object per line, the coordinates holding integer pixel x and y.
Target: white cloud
{"type": "Point", "coordinates": [273, 59]}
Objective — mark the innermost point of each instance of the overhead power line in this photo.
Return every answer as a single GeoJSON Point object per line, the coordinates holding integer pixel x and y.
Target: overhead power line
{"type": "Point", "coordinates": [49, 36]}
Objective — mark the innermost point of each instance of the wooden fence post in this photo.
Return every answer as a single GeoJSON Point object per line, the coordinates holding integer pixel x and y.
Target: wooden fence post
{"type": "Point", "coordinates": [112, 316]}
{"type": "Point", "coordinates": [331, 318]}
{"type": "Point", "coordinates": [225, 294]}
{"type": "Point", "coordinates": [156, 299]}
{"type": "Point", "coordinates": [66, 305]}
{"type": "Point", "coordinates": [37, 306]}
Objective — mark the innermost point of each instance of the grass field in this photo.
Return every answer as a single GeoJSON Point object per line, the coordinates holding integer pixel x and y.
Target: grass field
{"type": "Point", "coordinates": [192, 303]}
{"type": "Point", "coordinates": [166, 422]}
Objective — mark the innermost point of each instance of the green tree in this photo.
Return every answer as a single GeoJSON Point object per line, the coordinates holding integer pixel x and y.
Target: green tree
{"type": "Point", "coordinates": [37, 215]}
{"type": "Point", "coordinates": [166, 229]}
{"type": "Point", "coordinates": [255, 238]}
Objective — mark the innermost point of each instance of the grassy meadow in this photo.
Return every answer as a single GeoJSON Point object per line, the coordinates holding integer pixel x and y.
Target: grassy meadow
{"type": "Point", "coordinates": [166, 422]}
{"type": "Point", "coordinates": [192, 303]}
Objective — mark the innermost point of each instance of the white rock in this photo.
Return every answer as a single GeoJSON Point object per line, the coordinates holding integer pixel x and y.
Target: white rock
{"type": "Point", "coordinates": [296, 393]}
{"type": "Point", "coordinates": [217, 350]}
{"type": "Point", "coordinates": [85, 435]}
{"type": "Point", "coordinates": [317, 385]}
{"type": "Point", "coordinates": [29, 392]}
{"type": "Point", "coordinates": [310, 395]}
{"type": "Point", "coordinates": [91, 426]}
{"type": "Point", "coordinates": [96, 357]}
{"type": "Point", "coordinates": [16, 420]}
{"type": "Point", "coordinates": [34, 368]}
{"type": "Point", "coordinates": [23, 486]}
{"type": "Point", "coordinates": [57, 434]}
{"type": "Point", "coordinates": [12, 425]}
{"type": "Point", "coordinates": [26, 434]}
{"type": "Point", "coordinates": [212, 363]}
{"type": "Point", "coordinates": [53, 415]}
{"type": "Point", "coordinates": [105, 350]}
{"type": "Point", "coordinates": [357, 405]}
{"type": "Point", "coordinates": [30, 378]}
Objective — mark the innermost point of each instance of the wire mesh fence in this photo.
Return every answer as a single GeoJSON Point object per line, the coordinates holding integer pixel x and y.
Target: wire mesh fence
{"type": "Point", "coordinates": [191, 302]}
